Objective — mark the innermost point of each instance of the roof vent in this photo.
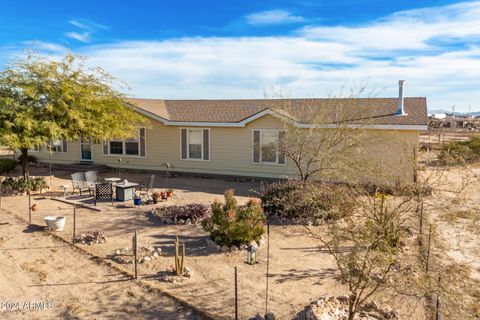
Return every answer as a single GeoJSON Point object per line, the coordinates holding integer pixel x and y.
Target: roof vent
{"type": "Point", "coordinates": [400, 110]}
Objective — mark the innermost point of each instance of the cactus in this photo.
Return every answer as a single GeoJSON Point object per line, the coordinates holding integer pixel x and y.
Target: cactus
{"type": "Point", "coordinates": [179, 263]}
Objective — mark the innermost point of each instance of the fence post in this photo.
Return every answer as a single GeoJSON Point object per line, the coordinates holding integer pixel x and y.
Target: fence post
{"type": "Point", "coordinates": [74, 221]}
{"type": "Point", "coordinates": [268, 265]}
{"type": "Point", "coordinates": [428, 247]}
{"type": "Point", "coordinates": [236, 295]}
{"type": "Point", "coordinates": [135, 249]}
{"type": "Point", "coordinates": [421, 223]}
{"type": "Point", "coordinates": [29, 208]}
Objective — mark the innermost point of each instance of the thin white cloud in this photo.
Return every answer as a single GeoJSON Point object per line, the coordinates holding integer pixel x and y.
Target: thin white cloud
{"type": "Point", "coordinates": [87, 29]}
{"type": "Point", "coordinates": [87, 25]}
{"type": "Point", "coordinates": [82, 37]}
{"type": "Point", "coordinates": [272, 17]}
{"type": "Point", "coordinates": [45, 47]}
{"type": "Point", "coordinates": [79, 24]}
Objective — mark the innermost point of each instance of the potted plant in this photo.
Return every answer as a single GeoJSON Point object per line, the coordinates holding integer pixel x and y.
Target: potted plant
{"type": "Point", "coordinates": [137, 200]}
{"type": "Point", "coordinates": [155, 197]}
{"type": "Point", "coordinates": [169, 193]}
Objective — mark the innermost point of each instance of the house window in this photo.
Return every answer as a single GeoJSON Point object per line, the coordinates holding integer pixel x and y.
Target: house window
{"type": "Point", "coordinates": [35, 148]}
{"type": "Point", "coordinates": [57, 145]}
{"type": "Point", "coordinates": [195, 144]}
{"type": "Point", "coordinates": [267, 146]}
{"type": "Point", "coordinates": [134, 147]}
{"type": "Point", "coordinates": [116, 147]}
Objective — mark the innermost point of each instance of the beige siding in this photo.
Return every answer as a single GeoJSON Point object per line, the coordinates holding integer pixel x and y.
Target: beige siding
{"type": "Point", "coordinates": [231, 152]}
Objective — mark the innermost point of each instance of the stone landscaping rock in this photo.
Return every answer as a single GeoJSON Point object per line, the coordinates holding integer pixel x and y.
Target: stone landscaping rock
{"type": "Point", "coordinates": [91, 237]}
{"type": "Point", "coordinates": [233, 248]}
{"type": "Point", "coordinates": [224, 249]}
{"type": "Point", "coordinates": [181, 221]}
{"type": "Point", "coordinates": [188, 222]}
{"type": "Point", "coordinates": [336, 308]}
{"type": "Point", "coordinates": [145, 254]}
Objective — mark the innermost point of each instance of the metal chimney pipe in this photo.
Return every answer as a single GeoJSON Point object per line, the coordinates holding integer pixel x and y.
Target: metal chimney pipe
{"type": "Point", "coordinates": [400, 110]}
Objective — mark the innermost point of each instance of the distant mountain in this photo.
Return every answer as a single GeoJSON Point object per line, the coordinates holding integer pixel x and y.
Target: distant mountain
{"type": "Point", "coordinates": [440, 111]}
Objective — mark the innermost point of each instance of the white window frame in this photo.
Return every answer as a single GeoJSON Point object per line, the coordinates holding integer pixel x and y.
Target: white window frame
{"type": "Point", "coordinates": [49, 146]}
{"type": "Point", "coordinates": [203, 147]}
{"type": "Point", "coordinates": [260, 148]}
{"type": "Point", "coordinates": [32, 150]}
{"type": "Point", "coordinates": [124, 150]}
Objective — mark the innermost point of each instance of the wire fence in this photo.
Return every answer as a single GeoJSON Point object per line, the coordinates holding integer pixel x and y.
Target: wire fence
{"type": "Point", "coordinates": [235, 297]}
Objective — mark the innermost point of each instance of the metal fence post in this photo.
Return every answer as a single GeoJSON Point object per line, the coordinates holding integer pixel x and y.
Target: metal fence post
{"type": "Point", "coordinates": [74, 221]}
{"type": "Point", "coordinates": [428, 248]}
{"type": "Point", "coordinates": [29, 208]}
{"type": "Point", "coordinates": [268, 265]}
{"type": "Point", "coordinates": [135, 253]}
{"type": "Point", "coordinates": [236, 294]}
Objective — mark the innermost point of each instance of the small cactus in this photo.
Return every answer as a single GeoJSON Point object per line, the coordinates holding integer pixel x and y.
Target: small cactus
{"type": "Point", "coordinates": [179, 263]}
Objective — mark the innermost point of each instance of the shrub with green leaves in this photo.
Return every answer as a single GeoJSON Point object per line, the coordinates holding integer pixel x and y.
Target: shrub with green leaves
{"type": "Point", "coordinates": [21, 185]}
{"type": "Point", "coordinates": [231, 224]}
{"type": "Point", "coordinates": [7, 165]}
{"type": "Point", "coordinates": [305, 201]}
{"type": "Point", "coordinates": [461, 151]}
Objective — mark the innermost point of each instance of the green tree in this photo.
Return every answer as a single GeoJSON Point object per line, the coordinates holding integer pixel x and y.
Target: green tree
{"type": "Point", "coordinates": [44, 100]}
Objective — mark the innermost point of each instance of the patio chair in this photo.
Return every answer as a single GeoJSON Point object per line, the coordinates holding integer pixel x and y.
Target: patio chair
{"type": "Point", "coordinates": [103, 190]}
{"type": "Point", "coordinates": [92, 178]}
{"type": "Point", "coordinates": [145, 190]}
{"type": "Point", "coordinates": [80, 183]}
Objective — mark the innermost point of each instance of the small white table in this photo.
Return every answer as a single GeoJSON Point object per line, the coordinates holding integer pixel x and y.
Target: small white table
{"type": "Point", "coordinates": [112, 179]}
{"type": "Point", "coordinates": [64, 187]}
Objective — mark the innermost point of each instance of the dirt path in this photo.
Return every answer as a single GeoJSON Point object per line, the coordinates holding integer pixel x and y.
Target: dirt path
{"type": "Point", "coordinates": [43, 278]}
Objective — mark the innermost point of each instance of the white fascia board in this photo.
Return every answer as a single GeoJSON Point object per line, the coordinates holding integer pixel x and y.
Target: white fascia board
{"type": "Point", "coordinates": [412, 127]}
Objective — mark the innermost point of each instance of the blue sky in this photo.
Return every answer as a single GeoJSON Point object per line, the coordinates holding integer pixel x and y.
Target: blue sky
{"type": "Point", "coordinates": [242, 49]}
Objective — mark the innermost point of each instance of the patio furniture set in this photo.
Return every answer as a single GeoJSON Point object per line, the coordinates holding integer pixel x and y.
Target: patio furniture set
{"type": "Point", "coordinates": [105, 188]}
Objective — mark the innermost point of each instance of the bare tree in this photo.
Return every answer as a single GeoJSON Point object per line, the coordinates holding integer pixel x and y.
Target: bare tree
{"type": "Point", "coordinates": [367, 245]}
{"type": "Point", "coordinates": [326, 138]}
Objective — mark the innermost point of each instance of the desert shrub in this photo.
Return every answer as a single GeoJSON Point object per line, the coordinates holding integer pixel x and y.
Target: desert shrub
{"type": "Point", "coordinates": [7, 165]}
{"type": "Point", "coordinates": [299, 200]}
{"type": "Point", "coordinates": [193, 211]}
{"type": "Point", "coordinates": [31, 158]}
{"type": "Point", "coordinates": [231, 224]}
{"type": "Point", "coordinates": [21, 185]}
{"type": "Point", "coordinates": [461, 151]}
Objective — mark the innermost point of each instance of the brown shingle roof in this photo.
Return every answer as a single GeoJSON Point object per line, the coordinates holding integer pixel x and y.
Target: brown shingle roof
{"type": "Point", "coordinates": [371, 110]}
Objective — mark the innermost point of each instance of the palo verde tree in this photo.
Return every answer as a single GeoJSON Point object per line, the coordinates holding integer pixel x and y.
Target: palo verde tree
{"type": "Point", "coordinates": [43, 100]}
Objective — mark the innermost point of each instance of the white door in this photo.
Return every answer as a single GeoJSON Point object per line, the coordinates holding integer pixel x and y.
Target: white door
{"type": "Point", "coordinates": [85, 149]}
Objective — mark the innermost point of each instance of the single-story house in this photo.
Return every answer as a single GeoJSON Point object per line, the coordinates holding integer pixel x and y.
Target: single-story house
{"type": "Point", "coordinates": [218, 137]}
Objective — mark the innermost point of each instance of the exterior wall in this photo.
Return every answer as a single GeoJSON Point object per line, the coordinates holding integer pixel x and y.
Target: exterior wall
{"type": "Point", "coordinates": [231, 152]}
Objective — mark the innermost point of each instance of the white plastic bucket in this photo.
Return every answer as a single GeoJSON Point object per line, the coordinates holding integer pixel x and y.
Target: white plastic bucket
{"type": "Point", "coordinates": [55, 223]}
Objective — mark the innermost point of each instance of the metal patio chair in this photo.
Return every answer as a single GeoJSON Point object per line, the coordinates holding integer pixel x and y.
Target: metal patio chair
{"type": "Point", "coordinates": [92, 178]}
{"type": "Point", "coordinates": [103, 190]}
{"type": "Point", "coordinates": [79, 183]}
